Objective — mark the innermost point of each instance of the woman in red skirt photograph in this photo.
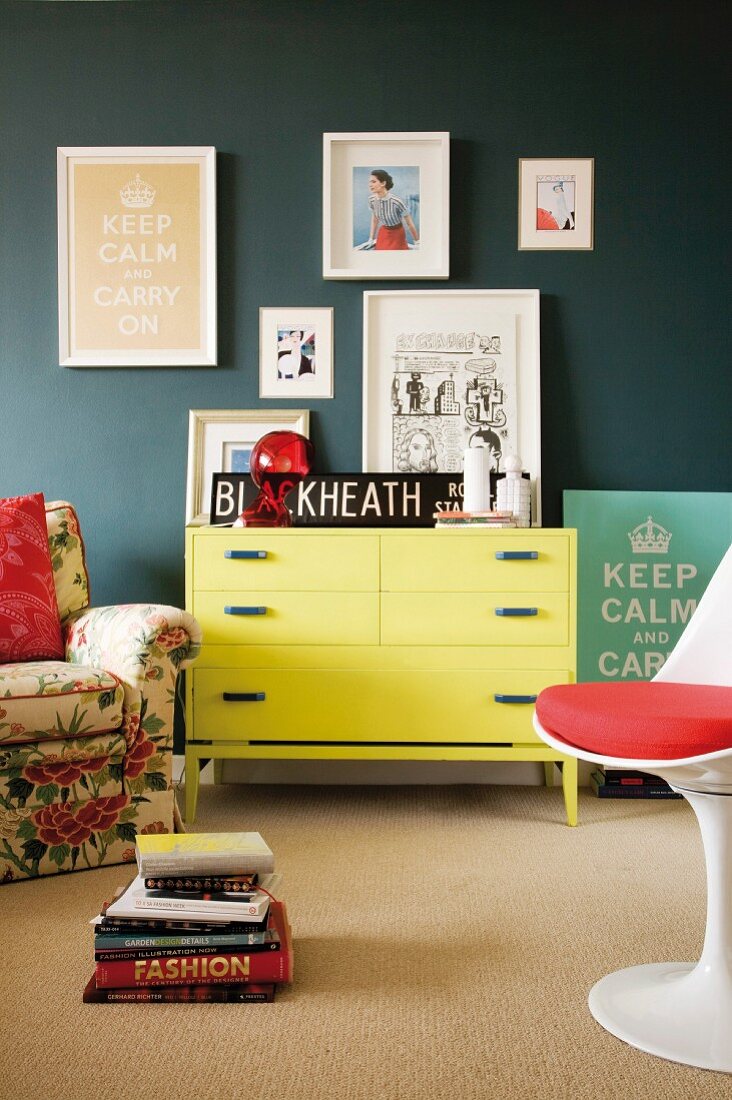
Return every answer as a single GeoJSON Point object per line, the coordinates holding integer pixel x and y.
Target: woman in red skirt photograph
{"type": "Point", "coordinates": [390, 216]}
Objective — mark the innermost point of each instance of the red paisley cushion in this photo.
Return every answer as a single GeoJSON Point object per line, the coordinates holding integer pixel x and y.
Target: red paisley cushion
{"type": "Point", "coordinates": [30, 628]}
{"type": "Point", "coordinates": [639, 720]}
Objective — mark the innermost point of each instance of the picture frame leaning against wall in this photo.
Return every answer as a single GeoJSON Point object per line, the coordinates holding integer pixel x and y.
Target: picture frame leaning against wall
{"type": "Point", "coordinates": [221, 441]}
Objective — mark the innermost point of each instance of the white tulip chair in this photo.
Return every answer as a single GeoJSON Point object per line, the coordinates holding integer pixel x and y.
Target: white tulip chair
{"type": "Point", "coordinates": [678, 726]}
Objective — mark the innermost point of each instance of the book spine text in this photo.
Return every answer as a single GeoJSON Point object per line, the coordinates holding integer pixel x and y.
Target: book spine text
{"type": "Point", "coordinates": [195, 970]}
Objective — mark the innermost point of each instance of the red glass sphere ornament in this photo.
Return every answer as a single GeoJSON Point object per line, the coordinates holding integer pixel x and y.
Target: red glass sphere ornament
{"type": "Point", "coordinates": [279, 462]}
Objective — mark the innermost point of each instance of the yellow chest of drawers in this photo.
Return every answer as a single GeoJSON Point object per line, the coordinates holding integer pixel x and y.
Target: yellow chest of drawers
{"type": "Point", "coordinates": [386, 644]}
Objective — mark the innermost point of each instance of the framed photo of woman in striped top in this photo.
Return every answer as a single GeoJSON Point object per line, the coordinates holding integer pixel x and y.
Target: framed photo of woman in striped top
{"type": "Point", "coordinates": [386, 206]}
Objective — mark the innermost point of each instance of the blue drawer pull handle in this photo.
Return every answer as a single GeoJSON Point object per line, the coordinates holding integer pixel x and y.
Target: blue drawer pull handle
{"type": "Point", "coordinates": [517, 611]}
{"type": "Point", "coordinates": [517, 555]}
{"type": "Point", "coordinates": [245, 553]}
{"type": "Point", "coordinates": [515, 698]}
{"type": "Point", "coordinates": [229, 610]}
{"type": "Point", "coordinates": [243, 696]}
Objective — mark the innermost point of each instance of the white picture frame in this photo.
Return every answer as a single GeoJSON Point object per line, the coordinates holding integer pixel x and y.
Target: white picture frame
{"type": "Point", "coordinates": [137, 256]}
{"type": "Point", "coordinates": [295, 352]}
{"type": "Point", "coordinates": [217, 438]}
{"type": "Point", "coordinates": [416, 170]}
{"type": "Point", "coordinates": [556, 198]}
{"type": "Point", "coordinates": [476, 353]}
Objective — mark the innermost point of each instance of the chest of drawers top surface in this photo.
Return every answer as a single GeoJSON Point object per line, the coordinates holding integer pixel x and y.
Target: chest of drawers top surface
{"type": "Point", "coordinates": [386, 559]}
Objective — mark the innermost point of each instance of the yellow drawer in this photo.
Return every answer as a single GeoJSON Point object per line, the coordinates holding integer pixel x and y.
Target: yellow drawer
{"type": "Point", "coordinates": [289, 563]}
{"type": "Point", "coordinates": [465, 561]}
{"type": "Point", "coordinates": [288, 618]}
{"type": "Point", "coordinates": [303, 705]}
{"type": "Point", "coordinates": [475, 618]}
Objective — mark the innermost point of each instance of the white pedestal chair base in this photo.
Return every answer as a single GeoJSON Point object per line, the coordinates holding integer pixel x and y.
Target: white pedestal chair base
{"type": "Point", "coordinates": [681, 1011]}
{"type": "Point", "coordinates": [677, 1011]}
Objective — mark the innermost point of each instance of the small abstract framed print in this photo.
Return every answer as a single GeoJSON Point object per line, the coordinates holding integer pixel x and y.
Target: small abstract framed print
{"type": "Point", "coordinates": [556, 204]}
{"type": "Point", "coordinates": [386, 206]}
{"type": "Point", "coordinates": [137, 256]}
{"type": "Point", "coordinates": [295, 352]}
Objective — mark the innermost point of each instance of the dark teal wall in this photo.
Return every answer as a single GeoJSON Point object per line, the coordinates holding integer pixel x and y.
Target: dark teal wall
{"type": "Point", "coordinates": [635, 368]}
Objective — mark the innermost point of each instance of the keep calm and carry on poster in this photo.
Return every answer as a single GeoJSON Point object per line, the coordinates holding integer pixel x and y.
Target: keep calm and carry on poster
{"type": "Point", "coordinates": [644, 560]}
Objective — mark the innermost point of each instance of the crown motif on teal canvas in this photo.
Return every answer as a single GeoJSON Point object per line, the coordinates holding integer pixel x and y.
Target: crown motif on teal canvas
{"type": "Point", "coordinates": [649, 538]}
{"type": "Point", "coordinates": [137, 193]}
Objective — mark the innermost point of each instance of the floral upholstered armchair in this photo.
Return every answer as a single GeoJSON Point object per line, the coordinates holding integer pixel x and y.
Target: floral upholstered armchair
{"type": "Point", "coordinates": [86, 743]}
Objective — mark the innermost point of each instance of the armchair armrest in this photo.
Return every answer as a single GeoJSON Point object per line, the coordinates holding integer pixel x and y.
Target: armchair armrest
{"type": "Point", "coordinates": [136, 642]}
{"type": "Point", "coordinates": [144, 646]}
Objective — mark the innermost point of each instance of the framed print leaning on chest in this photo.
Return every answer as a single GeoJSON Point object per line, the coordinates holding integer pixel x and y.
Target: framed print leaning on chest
{"type": "Point", "coordinates": [222, 441]}
{"type": "Point", "coordinates": [137, 256]}
{"type": "Point", "coordinates": [449, 370]}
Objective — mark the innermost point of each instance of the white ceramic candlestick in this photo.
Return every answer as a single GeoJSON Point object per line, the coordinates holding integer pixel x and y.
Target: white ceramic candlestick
{"type": "Point", "coordinates": [477, 479]}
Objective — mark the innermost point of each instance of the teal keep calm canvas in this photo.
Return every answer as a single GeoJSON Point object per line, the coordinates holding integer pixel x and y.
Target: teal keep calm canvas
{"type": "Point", "coordinates": [643, 562]}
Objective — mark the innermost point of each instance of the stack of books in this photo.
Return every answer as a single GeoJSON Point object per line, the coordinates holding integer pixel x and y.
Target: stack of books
{"type": "Point", "coordinates": [201, 921]}
{"type": "Point", "coordinates": [475, 519]}
{"type": "Point", "coordinates": [622, 783]}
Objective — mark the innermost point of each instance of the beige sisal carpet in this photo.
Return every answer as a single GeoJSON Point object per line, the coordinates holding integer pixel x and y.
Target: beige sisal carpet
{"type": "Point", "coordinates": [445, 940]}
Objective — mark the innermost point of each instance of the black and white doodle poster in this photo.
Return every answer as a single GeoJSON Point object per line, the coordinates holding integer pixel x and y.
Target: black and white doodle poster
{"type": "Point", "coordinates": [450, 390]}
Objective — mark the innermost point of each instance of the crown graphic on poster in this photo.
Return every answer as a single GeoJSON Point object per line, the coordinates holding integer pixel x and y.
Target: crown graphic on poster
{"type": "Point", "coordinates": [137, 194]}
{"type": "Point", "coordinates": [649, 538]}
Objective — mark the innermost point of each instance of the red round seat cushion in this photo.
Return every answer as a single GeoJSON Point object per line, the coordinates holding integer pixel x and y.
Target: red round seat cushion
{"type": "Point", "coordinates": [639, 720]}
